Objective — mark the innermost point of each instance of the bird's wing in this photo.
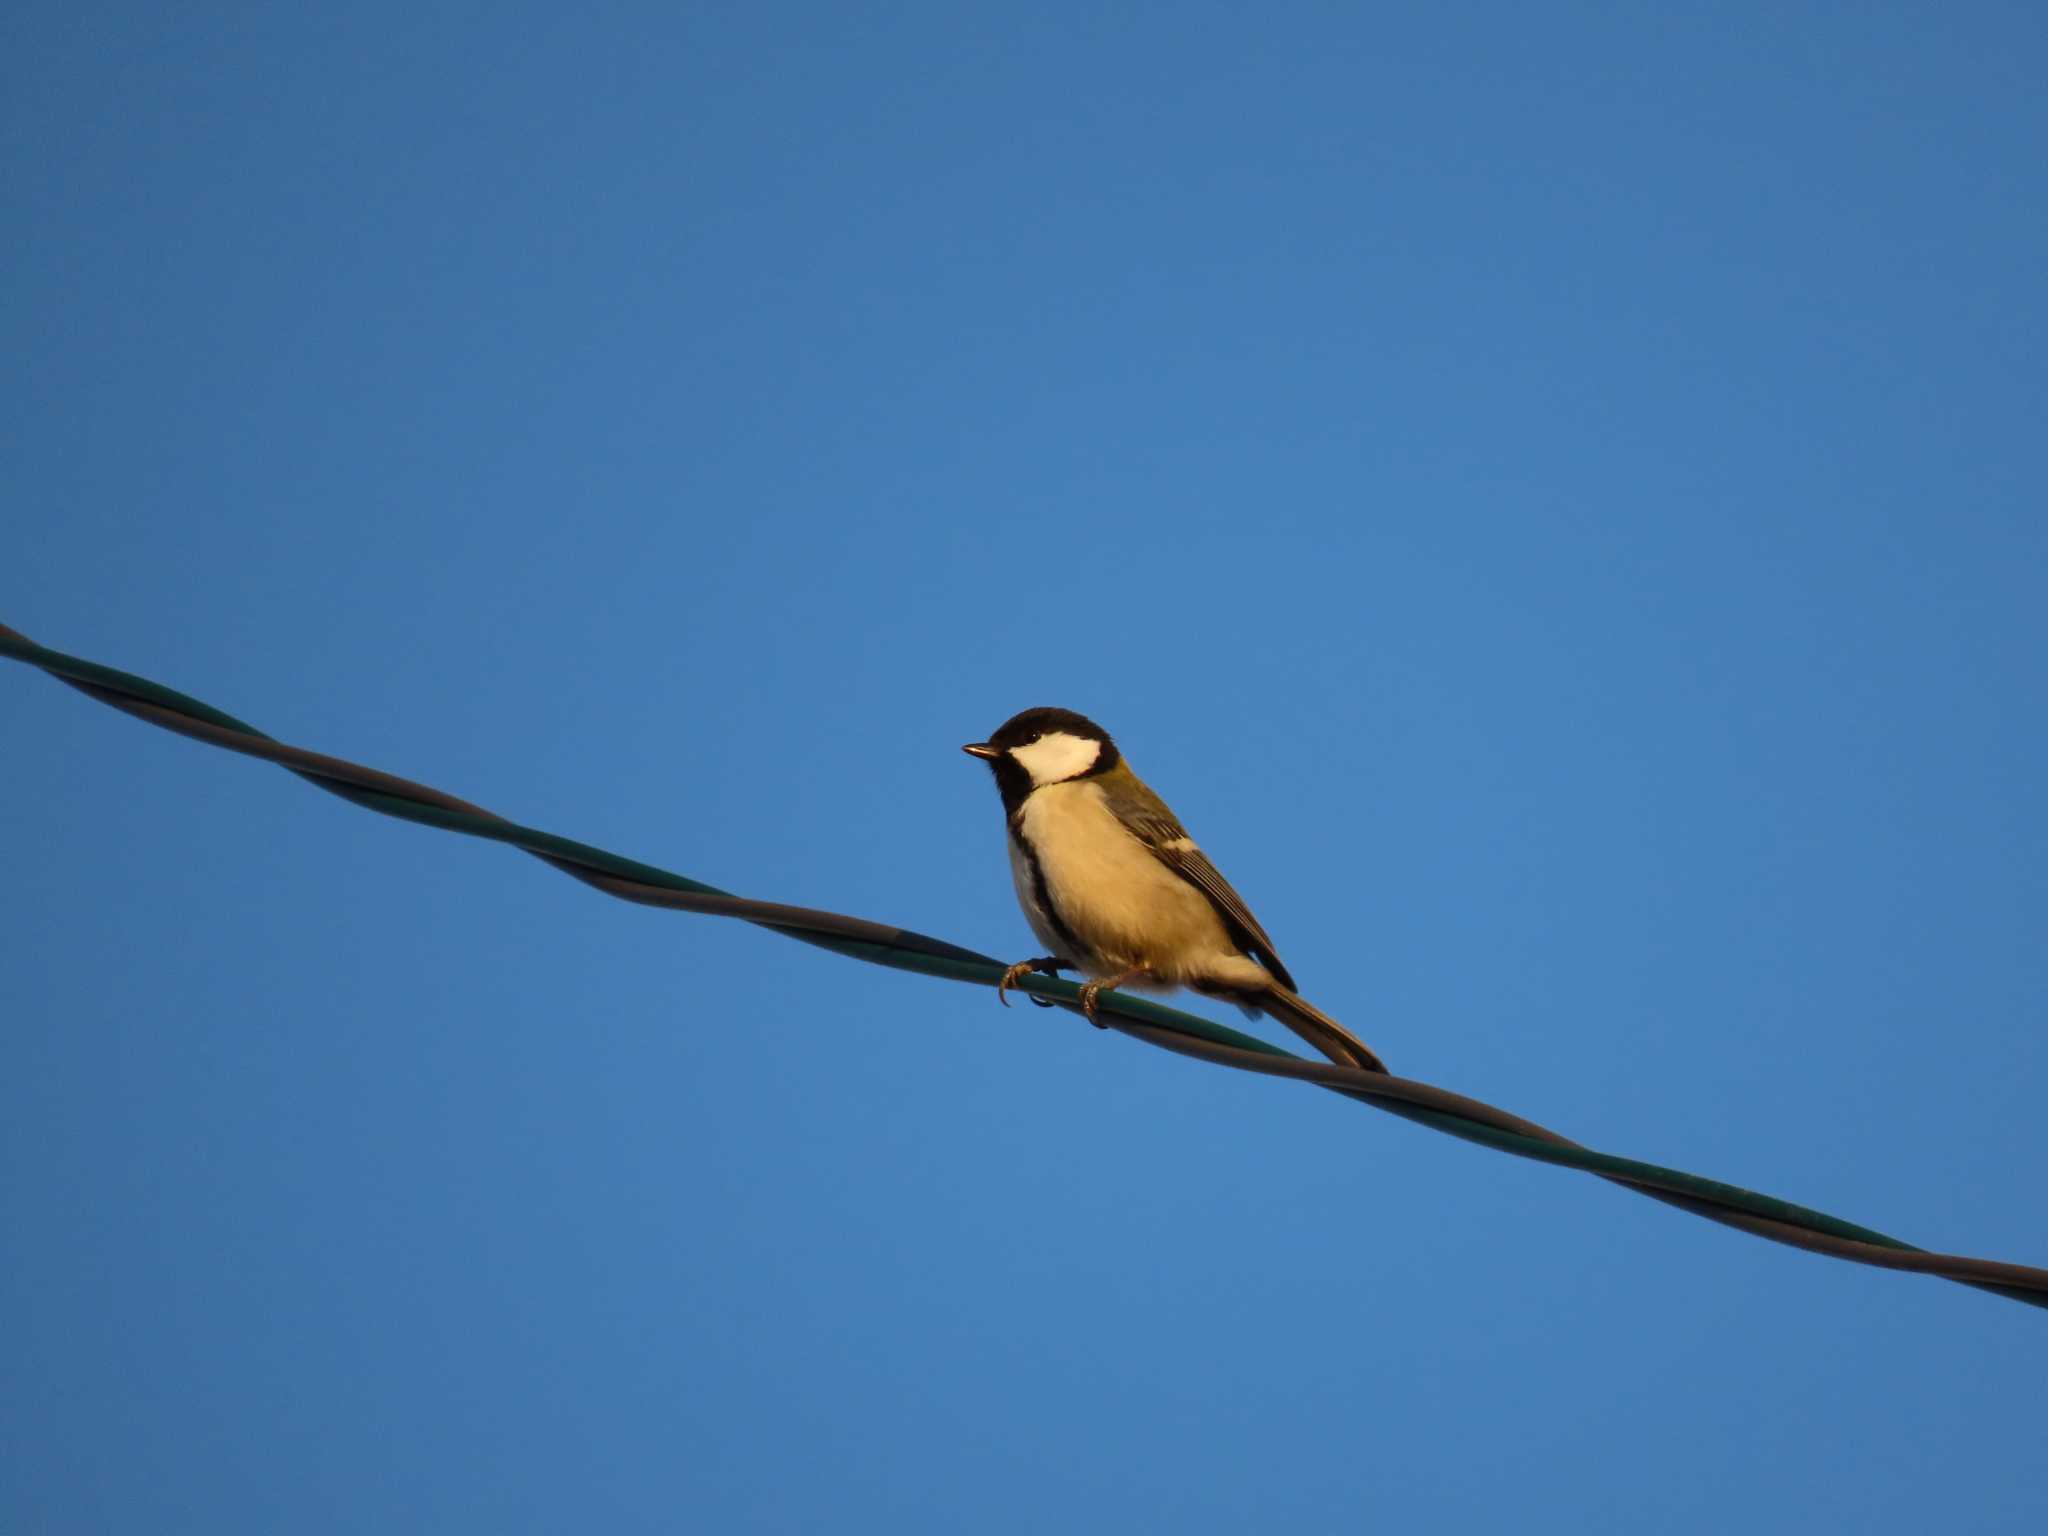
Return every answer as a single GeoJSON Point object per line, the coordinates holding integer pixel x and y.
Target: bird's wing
{"type": "Point", "coordinates": [1147, 818]}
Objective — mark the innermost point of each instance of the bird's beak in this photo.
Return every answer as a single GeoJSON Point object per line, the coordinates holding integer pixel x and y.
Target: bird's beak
{"type": "Point", "coordinates": [982, 750]}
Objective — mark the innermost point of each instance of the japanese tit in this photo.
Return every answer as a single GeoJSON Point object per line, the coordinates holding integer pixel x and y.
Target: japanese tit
{"type": "Point", "coordinates": [1116, 889]}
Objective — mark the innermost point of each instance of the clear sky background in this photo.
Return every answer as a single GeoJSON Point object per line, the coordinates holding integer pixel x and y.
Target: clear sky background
{"type": "Point", "coordinates": [1552, 495]}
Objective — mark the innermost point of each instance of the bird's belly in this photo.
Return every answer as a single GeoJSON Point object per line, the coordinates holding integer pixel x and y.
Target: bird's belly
{"type": "Point", "coordinates": [1119, 905]}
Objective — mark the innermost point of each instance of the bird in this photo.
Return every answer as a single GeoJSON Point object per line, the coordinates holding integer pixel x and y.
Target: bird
{"type": "Point", "coordinates": [1114, 887]}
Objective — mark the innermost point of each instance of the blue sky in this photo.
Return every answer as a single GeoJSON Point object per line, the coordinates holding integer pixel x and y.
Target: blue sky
{"type": "Point", "coordinates": [1553, 496]}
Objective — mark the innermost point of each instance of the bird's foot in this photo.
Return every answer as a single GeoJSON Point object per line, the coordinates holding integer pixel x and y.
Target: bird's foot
{"type": "Point", "coordinates": [1093, 990]}
{"type": "Point", "coordinates": [1048, 965]}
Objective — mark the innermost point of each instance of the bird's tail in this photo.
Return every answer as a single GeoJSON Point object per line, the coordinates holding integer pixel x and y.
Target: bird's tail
{"type": "Point", "coordinates": [1318, 1029]}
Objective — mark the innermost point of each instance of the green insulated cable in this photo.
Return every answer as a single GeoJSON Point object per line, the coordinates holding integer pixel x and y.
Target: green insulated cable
{"type": "Point", "coordinates": [1154, 1023]}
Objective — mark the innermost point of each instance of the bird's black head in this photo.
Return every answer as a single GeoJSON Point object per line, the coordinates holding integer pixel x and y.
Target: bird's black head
{"type": "Point", "coordinates": [1044, 746]}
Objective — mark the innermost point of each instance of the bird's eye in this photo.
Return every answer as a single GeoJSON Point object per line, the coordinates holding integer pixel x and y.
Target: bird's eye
{"type": "Point", "coordinates": [1038, 736]}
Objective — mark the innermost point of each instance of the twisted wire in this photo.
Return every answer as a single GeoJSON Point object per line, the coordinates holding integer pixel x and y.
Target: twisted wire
{"type": "Point", "coordinates": [904, 949]}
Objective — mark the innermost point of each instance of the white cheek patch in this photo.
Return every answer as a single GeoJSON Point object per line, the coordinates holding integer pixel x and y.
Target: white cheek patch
{"type": "Point", "coordinates": [1057, 756]}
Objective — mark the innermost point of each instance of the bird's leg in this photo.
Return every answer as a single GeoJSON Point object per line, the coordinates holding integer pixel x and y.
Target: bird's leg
{"type": "Point", "coordinates": [1048, 965]}
{"type": "Point", "coordinates": [1094, 989]}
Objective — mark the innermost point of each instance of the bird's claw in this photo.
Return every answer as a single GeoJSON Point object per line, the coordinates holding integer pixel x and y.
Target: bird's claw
{"type": "Point", "coordinates": [1011, 977]}
{"type": "Point", "coordinates": [1090, 991]}
{"type": "Point", "coordinates": [1093, 990]}
{"type": "Point", "coordinates": [1052, 965]}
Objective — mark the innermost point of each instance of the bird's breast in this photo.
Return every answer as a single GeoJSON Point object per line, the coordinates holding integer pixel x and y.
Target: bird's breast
{"type": "Point", "coordinates": [1107, 890]}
